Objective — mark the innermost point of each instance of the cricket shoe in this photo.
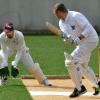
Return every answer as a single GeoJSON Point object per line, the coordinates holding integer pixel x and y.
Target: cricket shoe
{"type": "Point", "coordinates": [46, 83]}
{"type": "Point", "coordinates": [97, 90]}
{"type": "Point", "coordinates": [77, 93]}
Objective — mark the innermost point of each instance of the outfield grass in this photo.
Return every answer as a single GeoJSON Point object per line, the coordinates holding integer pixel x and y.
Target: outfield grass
{"type": "Point", "coordinates": [48, 51]}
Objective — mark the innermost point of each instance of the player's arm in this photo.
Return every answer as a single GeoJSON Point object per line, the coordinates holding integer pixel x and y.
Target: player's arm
{"type": "Point", "coordinates": [4, 55]}
{"type": "Point", "coordinates": [14, 69]}
{"type": "Point", "coordinates": [19, 50]}
{"type": "Point", "coordinates": [65, 36]}
{"type": "Point", "coordinates": [84, 24]}
{"type": "Point", "coordinates": [4, 72]}
{"type": "Point", "coordinates": [70, 38]}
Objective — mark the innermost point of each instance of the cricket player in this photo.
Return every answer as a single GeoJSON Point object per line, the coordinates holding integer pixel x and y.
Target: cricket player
{"type": "Point", "coordinates": [12, 42]}
{"type": "Point", "coordinates": [77, 30]}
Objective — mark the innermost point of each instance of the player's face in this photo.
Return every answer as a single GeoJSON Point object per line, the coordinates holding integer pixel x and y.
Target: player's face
{"type": "Point", "coordinates": [60, 15]}
{"type": "Point", "coordinates": [10, 34]}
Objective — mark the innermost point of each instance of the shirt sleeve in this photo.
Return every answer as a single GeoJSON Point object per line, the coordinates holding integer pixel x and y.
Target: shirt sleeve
{"type": "Point", "coordinates": [62, 28]}
{"type": "Point", "coordinates": [21, 44]}
{"type": "Point", "coordinates": [4, 53]}
{"type": "Point", "coordinates": [64, 31]}
{"type": "Point", "coordinates": [83, 23]}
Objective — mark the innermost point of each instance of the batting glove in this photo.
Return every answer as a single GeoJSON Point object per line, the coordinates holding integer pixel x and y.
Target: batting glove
{"type": "Point", "coordinates": [72, 39]}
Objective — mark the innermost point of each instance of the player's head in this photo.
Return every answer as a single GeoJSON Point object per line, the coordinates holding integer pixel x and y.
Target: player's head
{"type": "Point", "coordinates": [9, 29]}
{"type": "Point", "coordinates": [60, 11]}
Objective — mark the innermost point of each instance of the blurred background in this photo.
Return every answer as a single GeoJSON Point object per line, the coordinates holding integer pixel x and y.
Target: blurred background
{"type": "Point", "coordinates": [31, 15]}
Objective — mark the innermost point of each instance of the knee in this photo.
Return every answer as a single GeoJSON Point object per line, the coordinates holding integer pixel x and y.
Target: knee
{"type": "Point", "coordinates": [36, 66]}
{"type": "Point", "coordinates": [84, 68]}
{"type": "Point", "coordinates": [68, 60]}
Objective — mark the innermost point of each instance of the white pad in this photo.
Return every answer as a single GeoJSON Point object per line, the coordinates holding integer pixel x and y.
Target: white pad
{"type": "Point", "coordinates": [32, 67]}
{"type": "Point", "coordinates": [74, 70]}
{"type": "Point", "coordinates": [37, 72]}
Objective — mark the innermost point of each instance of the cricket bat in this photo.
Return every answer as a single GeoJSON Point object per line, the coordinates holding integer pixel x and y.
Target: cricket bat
{"type": "Point", "coordinates": [53, 28]}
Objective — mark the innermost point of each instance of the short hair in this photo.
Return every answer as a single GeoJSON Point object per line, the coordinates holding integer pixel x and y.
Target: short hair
{"type": "Point", "coordinates": [60, 7]}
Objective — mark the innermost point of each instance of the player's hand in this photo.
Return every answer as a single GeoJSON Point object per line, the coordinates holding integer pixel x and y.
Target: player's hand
{"type": "Point", "coordinates": [14, 71]}
{"type": "Point", "coordinates": [62, 35]}
{"type": "Point", "coordinates": [77, 41]}
{"type": "Point", "coordinates": [72, 39]}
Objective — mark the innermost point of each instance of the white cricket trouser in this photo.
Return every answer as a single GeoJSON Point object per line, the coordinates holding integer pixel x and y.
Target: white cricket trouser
{"type": "Point", "coordinates": [82, 54]}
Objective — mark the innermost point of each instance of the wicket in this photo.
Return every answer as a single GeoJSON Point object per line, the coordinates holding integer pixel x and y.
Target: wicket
{"type": "Point", "coordinates": [99, 60]}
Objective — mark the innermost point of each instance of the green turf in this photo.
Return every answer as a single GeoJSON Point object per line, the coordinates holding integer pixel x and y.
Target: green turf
{"type": "Point", "coordinates": [48, 51]}
{"type": "Point", "coordinates": [14, 90]}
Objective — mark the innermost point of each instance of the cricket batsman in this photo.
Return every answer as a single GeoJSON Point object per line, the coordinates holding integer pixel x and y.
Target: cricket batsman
{"type": "Point", "coordinates": [77, 30]}
{"type": "Point", "coordinates": [12, 42]}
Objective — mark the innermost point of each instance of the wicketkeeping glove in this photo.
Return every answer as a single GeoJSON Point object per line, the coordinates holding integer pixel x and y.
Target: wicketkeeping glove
{"type": "Point", "coordinates": [4, 73]}
{"type": "Point", "coordinates": [14, 71]}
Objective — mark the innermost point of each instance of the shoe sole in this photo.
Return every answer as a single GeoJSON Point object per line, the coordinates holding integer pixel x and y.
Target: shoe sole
{"type": "Point", "coordinates": [50, 85]}
{"type": "Point", "coordinates": [47, 84]}
{"type": "Point", "coordinates": [79, 94]}
{"type": "Point", "coordinates": [83, 92]}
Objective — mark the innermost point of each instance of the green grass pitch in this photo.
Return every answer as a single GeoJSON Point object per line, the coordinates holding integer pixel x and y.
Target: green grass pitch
{"type": "Point", "coordinates": [48, 51]}
{"type": "Point", "coordinates": [14, 90]}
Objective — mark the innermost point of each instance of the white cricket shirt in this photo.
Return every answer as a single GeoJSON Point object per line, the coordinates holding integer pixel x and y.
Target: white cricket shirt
{"type": "Point", "coordinates": [76, 23]}
{"type": "Point", "coordinates": [13, 45]}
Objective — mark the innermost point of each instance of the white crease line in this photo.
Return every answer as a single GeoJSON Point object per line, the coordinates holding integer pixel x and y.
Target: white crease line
{"type": "Point", "coordinates": [45, 93]}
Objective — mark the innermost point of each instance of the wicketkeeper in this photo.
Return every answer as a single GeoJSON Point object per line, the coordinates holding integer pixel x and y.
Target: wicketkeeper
{"type": "Point", "coordinates": [77, 30]}
{"type": "Point", "coordinates": [12, 42]}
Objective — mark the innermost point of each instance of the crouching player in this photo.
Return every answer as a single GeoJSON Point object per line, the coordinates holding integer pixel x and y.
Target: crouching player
{"type": "Point", "coordinates": [12, 42]}
{"type": "Point", "coordinates": [77, 30]}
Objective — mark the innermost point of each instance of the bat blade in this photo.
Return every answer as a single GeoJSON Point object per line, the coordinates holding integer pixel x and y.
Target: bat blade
{"type": "Point", "coordinates": [53, 28]}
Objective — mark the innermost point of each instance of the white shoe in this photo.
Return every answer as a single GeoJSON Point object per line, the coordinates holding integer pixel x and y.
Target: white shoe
{"type": "Point", "coordinates": [47, 83]}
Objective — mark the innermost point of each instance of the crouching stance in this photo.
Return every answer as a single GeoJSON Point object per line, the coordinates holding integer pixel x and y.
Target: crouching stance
{"type": "Point", "coordinates": [12, 42]}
